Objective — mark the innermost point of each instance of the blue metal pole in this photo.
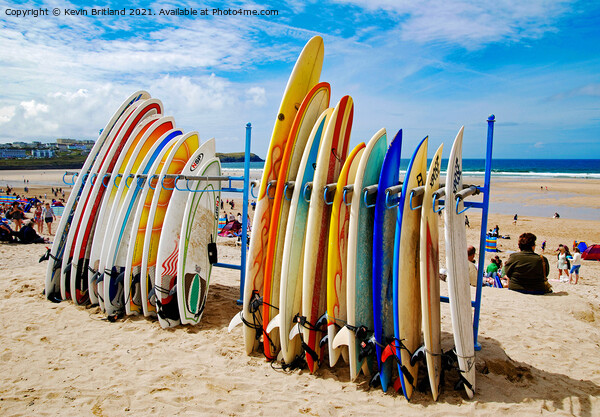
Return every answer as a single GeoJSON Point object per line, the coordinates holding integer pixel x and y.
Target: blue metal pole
{"type": "Point", "coordinates": [245, 212]}
{"type": "Point", "coordinates": [484, 219]}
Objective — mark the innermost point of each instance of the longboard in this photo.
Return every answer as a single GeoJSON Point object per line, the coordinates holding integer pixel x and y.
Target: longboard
{"type": "Point", "coordinates": [290, 291]}
{"type": "Point", "coordinates": [407, 295]}
{"type": "Point", "coordinates": [198, 230]}
{"type": "Point", "coordinates": [383, 259]}
{"type": "Point", "coordinates": [313, 105]}
{"type": "Point", "coordinates": [359, 285]}
{"type": "Point", "coordinates": [337, 252]}
{"type": "Point", "coordinates": [459, 291]}
{"type": "Point", "coordinates": [170, 241]}
{"type": "Point", "coordinates": [304, 76]}
{"type": "Point", "coordinates": [430, 279]}
{"type": "Point", "coordinates": [52, 282]}
{"type": "Point", "coordinates": [331, 157]}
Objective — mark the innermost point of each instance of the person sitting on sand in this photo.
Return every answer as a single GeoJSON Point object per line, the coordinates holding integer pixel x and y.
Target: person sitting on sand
{"type": "Point", "coordinates": [494, 267]}
{"type": "Point", "coordinates": [6, 233]}
{"type": "Point", "coordinates": [472, 265]}
{"type": "Point", "coordinates": [527, 271]}
{"type": "Point", "coordinates": [576, 265]}
{"type": "Point", "coordinates": [27, 234]}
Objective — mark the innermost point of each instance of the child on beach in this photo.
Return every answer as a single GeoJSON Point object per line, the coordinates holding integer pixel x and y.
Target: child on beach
{"type": "Point", "coordinates": [576, 265]}
{"type": "Point", "coordinates": [562, 263]}
{"type": "Point", "coordinates": [37, 217]}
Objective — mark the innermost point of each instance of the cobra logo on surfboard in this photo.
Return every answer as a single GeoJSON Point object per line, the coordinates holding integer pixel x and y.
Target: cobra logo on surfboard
{"type": "Point", "coordinates": [196, 162]}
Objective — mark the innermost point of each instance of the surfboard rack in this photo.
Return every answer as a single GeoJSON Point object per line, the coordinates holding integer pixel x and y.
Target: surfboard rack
{"type": "Point", "coordinates": [329, 193]}
{"type": "Point", "coordinates": [246, 191]}
{"type": "Point", "coordinates": [347, 189]}
{"type": "Point", "coordinates": [288, 186]}
{"type": "Point", "coordinates": [369, 191]}
{"type": "Point", "coordinates": [305, 190]}
{"type": "Point", "coordinates": [415, 192]}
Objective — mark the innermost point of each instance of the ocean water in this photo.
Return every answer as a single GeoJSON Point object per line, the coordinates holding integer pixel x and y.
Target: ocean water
{"type": "Point", "coordinates": [526, 168]}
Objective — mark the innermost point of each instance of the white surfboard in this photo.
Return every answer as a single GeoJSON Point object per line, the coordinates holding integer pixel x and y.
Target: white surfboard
{"type": "Point", "coordinates": [198, 229]}
{"type": "Point", "coordinates": [170, 240]}
{"type": "Point", "coordinates": [459, 291]}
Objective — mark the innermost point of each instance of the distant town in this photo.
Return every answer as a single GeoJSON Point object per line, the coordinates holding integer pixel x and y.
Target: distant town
{"type": "Point", "coordinates": [38, 150]}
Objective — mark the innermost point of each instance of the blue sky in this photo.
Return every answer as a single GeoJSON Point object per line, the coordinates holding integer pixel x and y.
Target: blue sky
{"type": "Point", "coordinates": [427, 67]}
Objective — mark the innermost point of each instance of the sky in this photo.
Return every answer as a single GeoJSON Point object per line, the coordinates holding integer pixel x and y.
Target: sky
{"type": "Point", "coordinates": [427, 67]}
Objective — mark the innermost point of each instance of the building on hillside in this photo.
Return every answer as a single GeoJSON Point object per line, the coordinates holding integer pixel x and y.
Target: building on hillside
{"type": "Point", "coordinates": [12, 153]}
{"type": "Point", "coordinates": [42, 153]}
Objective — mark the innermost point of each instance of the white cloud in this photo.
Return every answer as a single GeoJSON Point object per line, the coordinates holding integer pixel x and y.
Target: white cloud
{"type": "Point", "coordinates": [538, 145]}
{"type": "Point", "coordinates": [257, 95]}
{"type": "Point", "coordinates": [469, 23]}
{"type": "Point", "coordinates": [32, 108]}
{"type": "Point", "coordinates": [7, 113]}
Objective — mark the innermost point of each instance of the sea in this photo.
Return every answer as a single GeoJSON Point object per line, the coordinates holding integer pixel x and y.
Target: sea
{"type": "Point", "coordinates": [520, 168]}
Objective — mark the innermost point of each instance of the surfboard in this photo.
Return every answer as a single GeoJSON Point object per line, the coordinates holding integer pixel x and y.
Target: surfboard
{"type": "Point", "coordinates": [290, 291]}
{"type": "Point", "coordinates": [407, 295]}
{"type": "Point", "coordinates": [337, 252]}
{"type": "Point", "coordinates": [170, 240]}
{"type": "Point", "coordinates": [198, 230]}
{"type": "Point", "coordinates": [459, 292]}
{"type": "Point", "coordinates": [383, 259]}
{"type": "Point", "coordinates": [82, 254]}
{"type": "Point", "coordinates": [52, 282]}
{"type": "Point", "coordinates": [114, 256]}
{"type": "Point", "coordinates": [359, 281]}
{"type": "Point", "coordinates": [430, 278]}
{"type": "Point", "coordinates": [136, 285]}
{"type": "Point", "coordinates": [149, 132]}
{"type": "Point", "coordinates": [313, 105]}
{"type": "Point", "coordinates": [176, 160]}
{"type": "Point", "coordinates": [331, 157]}
{"type": "Point", "coordinates": [304, 76]}
{"type": "Point", "coordinates": [88, 216]}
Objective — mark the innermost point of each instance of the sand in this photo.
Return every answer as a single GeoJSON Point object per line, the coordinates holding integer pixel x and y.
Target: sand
{"type": "Point", "coordinates": [539, 354]}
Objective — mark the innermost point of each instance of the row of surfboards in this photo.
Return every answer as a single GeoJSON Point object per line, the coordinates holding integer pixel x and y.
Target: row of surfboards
{"type": "Point", "coordinates": [343, 257]}
{"type": "Point", "coordinates": [133, 238]}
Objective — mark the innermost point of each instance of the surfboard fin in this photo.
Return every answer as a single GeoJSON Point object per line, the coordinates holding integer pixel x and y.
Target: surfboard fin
{"type": "Point", "coordinates": [294, 332]}
{"type": "Point", "coordinates": [324, 341]}
{"type": "Point", "coordinates": [322, 322]}
{"type": "Point", "coordinates": [417, 356]}
{"type": "Point", "coordinates": [342, 338]}
{"type": "Point", "coordinates": [235, 321]}
{"type": "Point", "coordinates": [45, 256]}
{"type": "Point", "coordinates": [274, 323]}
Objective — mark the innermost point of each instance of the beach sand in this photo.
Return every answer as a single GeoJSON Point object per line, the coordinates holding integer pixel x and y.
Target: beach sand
{"type": "Point", "coordinates": [539, 354]}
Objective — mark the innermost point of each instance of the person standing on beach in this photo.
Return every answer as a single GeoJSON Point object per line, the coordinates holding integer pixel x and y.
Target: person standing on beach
{"type": "Point", "coordinates": [576, 265]}
{"type": "Point", "coordinates": [37, 217]}
{"type": "Point", "coordinates": [527, 271]}
{"type": "Point", "coordinates": [48, 215]}
{"type": "Point", "coordinates": [544, 246]}
{"type": "Point", "coordinates": [515, 219]}
{"type": "Point", "coordinates": [562, 262]}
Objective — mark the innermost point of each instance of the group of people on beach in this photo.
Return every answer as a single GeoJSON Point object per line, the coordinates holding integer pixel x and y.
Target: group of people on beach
{"type": "Point", "coordinates": [24, 232]}
{"type": "Point", "coordinates": [525, 271]}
